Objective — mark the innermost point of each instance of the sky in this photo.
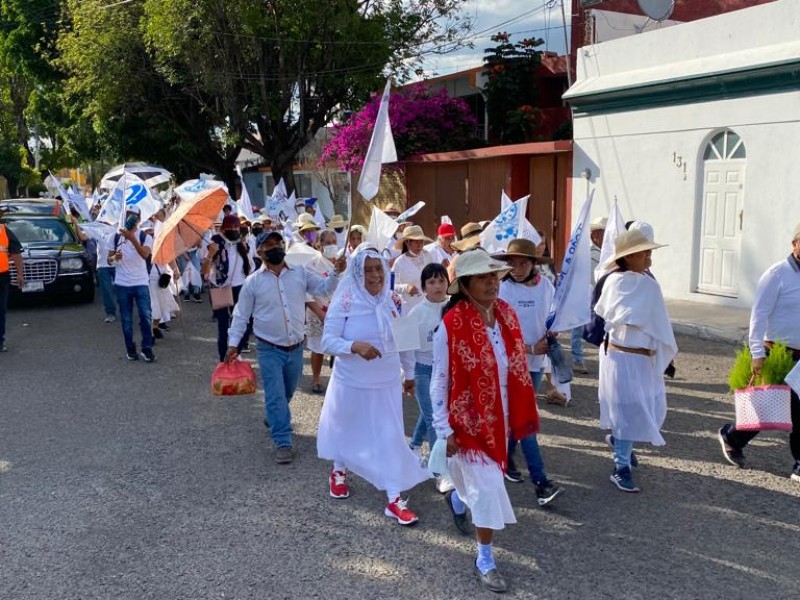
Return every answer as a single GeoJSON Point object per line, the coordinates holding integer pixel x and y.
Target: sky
{"type": "Point", "coordinates": [525, 18]}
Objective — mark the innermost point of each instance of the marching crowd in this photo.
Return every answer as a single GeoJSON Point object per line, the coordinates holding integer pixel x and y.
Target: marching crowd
{"type": "Point", "coordinates": [462, 330]}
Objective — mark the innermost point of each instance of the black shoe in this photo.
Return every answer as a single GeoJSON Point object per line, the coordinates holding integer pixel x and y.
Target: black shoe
{"type": "Point", "coordinates": [163, 326]}
{"type": "Point", "coordinates": [196, 298]}
{"type": "Point", "coordinates": [130, 353]}
{"type": "Point", "coordinates": [546, 492]}
{"type": "Point", "coordinates": [492, 580]}
{"type": "Point", "coordinates": [3, 348]}
{"type": "Point", "coordinates": [513, 474]}
{"type": "Point", "coordinates": [462, 524]}
{"type": "Point", "coordinates": [147, 355]}
{"type": "Point", "coordinates": [796, 471]}
{"type": "Point", "coordinates": [157, 334]}
{"type": "Point", "coordinates": [735, 456]}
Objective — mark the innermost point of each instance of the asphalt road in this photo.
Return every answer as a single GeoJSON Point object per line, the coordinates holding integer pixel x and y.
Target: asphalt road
{"type": "Point", "coordinates": [130, 481]}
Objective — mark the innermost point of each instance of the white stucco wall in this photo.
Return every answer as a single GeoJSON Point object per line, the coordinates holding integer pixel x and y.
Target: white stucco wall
{"type": "Point", "coordinates": [632, 153]}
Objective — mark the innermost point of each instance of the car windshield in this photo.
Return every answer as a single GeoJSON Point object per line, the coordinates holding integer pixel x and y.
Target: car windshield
{"type": "Point", "coordinates": [38, 231]}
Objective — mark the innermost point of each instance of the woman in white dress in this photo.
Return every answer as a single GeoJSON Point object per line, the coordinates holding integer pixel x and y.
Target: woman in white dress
{"type": "Point", "coordinates": [481, 391]}
{"type": "Point", "coordinates": [639, 345]}
{"type": "Point", "coordinates": [361, 425]}
{"type": "Point", "coordinates": [408, 266]}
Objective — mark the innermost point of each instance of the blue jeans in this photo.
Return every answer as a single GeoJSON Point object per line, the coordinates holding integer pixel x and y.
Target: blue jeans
{"type": "Point", "coordinates": [105, 275]}
{"type": "Point", "coordinates": [280, 371]}
{"type": "Point", "coordinates": [530, 445]}
{"type": "Point", "coordinates": [5, 285]}
{"type": "Point", "coordinates": [223, 317]}
{"type": "Point", "coordinates": [622, 453]}
{"type": "Point", "coordinates": [127, 296]}
{"type": "Point", "coordinates": [576, 343]}
{"type": "Point", "coordinates": [424, 428]}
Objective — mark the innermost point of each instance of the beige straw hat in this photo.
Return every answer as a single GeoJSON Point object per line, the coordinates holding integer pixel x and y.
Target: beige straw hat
{"type": "Point", "coordinates": [337, 221]}
{"type": "Point", "coordinates": [467, 243]}
{"type": "Point", "coordinates": [630, 242]}
{"type": "Point", "coordinates": [476, 262]}
{"type": "Point", "coordinates": [470, 229]}
{"type": "Point", "coordinates": [307, 226]}
{"type": "Point", "coordinates": [412, 232]}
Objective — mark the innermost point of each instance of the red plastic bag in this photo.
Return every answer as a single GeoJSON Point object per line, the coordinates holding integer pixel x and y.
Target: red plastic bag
{"type": "Point", "coordinates": [234, 379]}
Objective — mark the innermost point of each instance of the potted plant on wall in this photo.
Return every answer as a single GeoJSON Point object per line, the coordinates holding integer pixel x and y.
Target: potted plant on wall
{"type": "Point", "coordinates": [763, 401]}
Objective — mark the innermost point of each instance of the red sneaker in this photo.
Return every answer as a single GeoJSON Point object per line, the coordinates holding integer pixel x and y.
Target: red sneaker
{"type": "Point", "coordinates": [397, 510]}
{"type": "Point", "coordinates": [338, 483]}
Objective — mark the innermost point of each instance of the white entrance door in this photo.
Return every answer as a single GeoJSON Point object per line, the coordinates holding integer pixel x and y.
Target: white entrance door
{"type": "Point", "coordinates": [721, 229]}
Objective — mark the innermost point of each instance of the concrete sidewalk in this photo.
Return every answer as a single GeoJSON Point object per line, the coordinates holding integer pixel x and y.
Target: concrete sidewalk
{"type": "Point", "coordinates": [708, 321]}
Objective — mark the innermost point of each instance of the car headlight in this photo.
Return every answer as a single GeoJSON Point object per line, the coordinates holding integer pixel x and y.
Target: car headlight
{"type": "Point", "coordinates": [71, 264]}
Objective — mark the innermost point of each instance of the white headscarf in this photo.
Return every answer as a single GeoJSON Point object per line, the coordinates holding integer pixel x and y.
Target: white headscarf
{"type": "Point", "coordinates": [352, 298]}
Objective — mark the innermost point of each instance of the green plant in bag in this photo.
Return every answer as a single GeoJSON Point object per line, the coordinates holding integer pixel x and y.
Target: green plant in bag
{"type": "Point", "coordinates": [774, 370]}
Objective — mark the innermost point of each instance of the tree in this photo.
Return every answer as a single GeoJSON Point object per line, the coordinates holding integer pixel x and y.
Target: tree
{"type": "Point", "coordinates": [272, 73]}
{"type": "Point", "coordinates": [511, 90]}
{"type": "Point", "coordinates": [422, 121]}
{"type": "Point", "coordinates": [131, 109]}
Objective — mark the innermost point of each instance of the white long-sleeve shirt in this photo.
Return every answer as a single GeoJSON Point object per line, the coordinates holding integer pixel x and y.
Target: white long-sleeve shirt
{"type": "Point", "coordinates": [407, 271]}
{"type": "Point", "coordinates": [277, 304]}
{"type": "Point", "coordinates": [532, 305]}
{"type": "Point", "coordinates": [440, 377]}
{"type": "Point", "coordinates": [776, 310]}
{"type": "Point", "coordinates": [428, 316]}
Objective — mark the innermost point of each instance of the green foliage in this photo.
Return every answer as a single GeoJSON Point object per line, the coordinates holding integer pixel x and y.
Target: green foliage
{"type": "Point", "coordinates": [776, 367]}
{"type": "Point", "coordinates": [739, 376]}
{"type": "Point", "coordinates": [511, 89]}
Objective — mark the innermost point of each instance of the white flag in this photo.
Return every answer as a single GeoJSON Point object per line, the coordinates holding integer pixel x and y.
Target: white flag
{"type": "Point", "coordinates": [70, 199]}
{"type": "Point", "coordinates": [381, 229]}
{"type": "Point", "coordinates": [381, 150]}
{"type": "Point", "coordinates": [614, 226]}
{"type": "Point", "coordinates": [244, 204]}
{"type": "Point", "coordinates": [528, 231]}
{"type": "Point", "coordinates": [506, 226]}
{"type": "Point", "coordinates": [572, 302]}
{"type": "Point", "coordinates": [410, 212]}
{"type": "Point", "coordinates": [129, 190]}
{"type": "Point", "coordinates": [445, 220]}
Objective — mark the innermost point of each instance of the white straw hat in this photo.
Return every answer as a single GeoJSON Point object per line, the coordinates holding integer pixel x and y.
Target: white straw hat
{"type": "Point", "coordinates": [476, 262]}
{"type": "Point", "coordinates": [630, 242]}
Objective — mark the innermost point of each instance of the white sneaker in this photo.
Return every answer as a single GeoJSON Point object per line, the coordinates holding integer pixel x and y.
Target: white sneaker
{"type": "Point", "coordinates": [444, 484]}
{"type": "Point", "coordinates": [109, 319]}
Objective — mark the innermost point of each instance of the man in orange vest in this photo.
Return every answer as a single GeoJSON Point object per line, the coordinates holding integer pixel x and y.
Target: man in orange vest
{"type": "Point", "coordinates": [10, 250]}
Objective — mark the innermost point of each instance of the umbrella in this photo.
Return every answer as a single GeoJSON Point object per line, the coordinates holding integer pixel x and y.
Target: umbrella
{"type": "Point", "coordinates": [188, 223]}
{"type": "Point", "coordinates": [151, 174]}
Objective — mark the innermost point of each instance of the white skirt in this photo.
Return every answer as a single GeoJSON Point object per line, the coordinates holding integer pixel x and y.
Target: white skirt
{"type": "Point", "coordinates": [363, 429]}
{"type": "Point", "coordinates": [314, 344]}
{"type": "Point", "coordinates": [633, 399]}
{"type": "Point", "coordinates": [162, 303]}
{"type": "Point", "coordinates": [482, 488]}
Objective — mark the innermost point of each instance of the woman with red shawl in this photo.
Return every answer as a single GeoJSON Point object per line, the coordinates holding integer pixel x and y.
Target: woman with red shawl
{"type": "Point", "coordinates": [480, 390]}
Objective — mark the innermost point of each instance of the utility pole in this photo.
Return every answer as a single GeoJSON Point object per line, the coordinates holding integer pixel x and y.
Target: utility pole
{"type": "Point", "coordinates": [566, 44]}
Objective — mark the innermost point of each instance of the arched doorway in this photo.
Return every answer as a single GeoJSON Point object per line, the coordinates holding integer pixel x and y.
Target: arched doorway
{"type": "Point", "coordinates": [722, 206]}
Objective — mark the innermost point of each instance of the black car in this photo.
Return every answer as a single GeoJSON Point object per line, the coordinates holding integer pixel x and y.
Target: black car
{"type": "Point", "coordinates": [56, 263]}
{"type": "Point", "coordinates": [29, 206]}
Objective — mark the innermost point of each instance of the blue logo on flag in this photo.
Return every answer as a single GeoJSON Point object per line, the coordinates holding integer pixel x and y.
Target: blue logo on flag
{"type": "Point", "coordinates": [507, 223]}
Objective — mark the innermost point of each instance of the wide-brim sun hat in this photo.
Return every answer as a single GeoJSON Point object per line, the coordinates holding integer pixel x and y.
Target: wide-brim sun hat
{"type": "Point", "coordinates": [412, 232]}
{"type": "Point", "coordinates": [630, 242]}
{"type": "Point", "coordinates": [302, 219]}
{"type": "Point", "coordinates": [337, 221]}
{"type": "Point", "coordinates": [467, 243]}
{"type": "Point", "coordinates": [519, 247]}
{"type": "Point", "coordinates": [308, 226]}
{"type": "Point", "coordinates": [470, 229]}
{"type": "Point", "coordinates": [476, 262]}
{"type": "Point", "coordinates": [598, 224]}
{"type": "Point", "coordinates": [796, 234]}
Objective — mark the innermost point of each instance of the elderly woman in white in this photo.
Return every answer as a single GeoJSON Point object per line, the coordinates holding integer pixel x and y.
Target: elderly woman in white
{"type": "Point", "coordinates": [639, 345]}
{"type": "Point", "coordinates": [408, 266]}
{"type": "Point", "coordinates": [361, 425]}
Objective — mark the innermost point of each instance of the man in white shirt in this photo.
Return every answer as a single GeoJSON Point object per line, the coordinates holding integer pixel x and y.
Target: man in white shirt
{"type": "Point", "coordinates": [129, 251]}
{"type": "Point", "coordinates": [441, 250]}
{"type": "Point", "coordinates": [275, 298]}
{"type": "Point", "coordinates": [775, 317]}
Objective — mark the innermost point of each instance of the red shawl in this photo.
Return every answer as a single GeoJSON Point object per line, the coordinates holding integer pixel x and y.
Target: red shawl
{"type": "Point", "coordinates": [476, 410]}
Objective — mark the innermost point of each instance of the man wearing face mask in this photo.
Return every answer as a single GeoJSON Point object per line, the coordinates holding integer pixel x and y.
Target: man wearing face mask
{"type": "Point", "coordinates": [228, 263]}
{"type": "Point", "coordinates": [274, 297]}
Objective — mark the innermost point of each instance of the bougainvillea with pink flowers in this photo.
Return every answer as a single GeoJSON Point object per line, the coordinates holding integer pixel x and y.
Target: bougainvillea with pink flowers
{"type": "Point", "coordinates": [422, 121]}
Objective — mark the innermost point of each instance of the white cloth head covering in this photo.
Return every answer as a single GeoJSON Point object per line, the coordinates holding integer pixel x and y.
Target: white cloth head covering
{"type": "Point", "coordinates": [352, 298]}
